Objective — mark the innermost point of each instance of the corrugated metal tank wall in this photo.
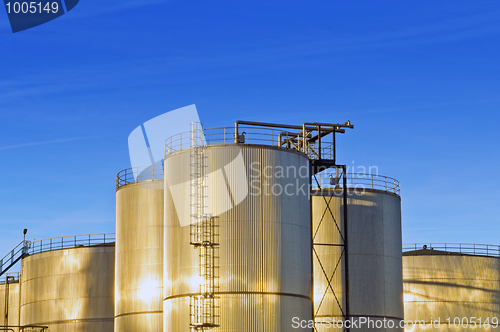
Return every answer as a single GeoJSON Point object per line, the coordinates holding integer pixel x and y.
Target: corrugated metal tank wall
{"type": "Point", "coordinates": [374, 247]}
{"type": "Point", "coordinates": [265, 240]}
{"type": "Point", "coordinates": [69, 290]}
{"type": "Point", "coordinates": [451, 286]}
{"type": "Point", "coordinates": [139, 257]}
{"type": "Point", "coordinates": [10, 315]}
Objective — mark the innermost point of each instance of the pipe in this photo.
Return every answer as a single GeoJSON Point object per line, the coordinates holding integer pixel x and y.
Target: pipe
{"type": "Point", "coordinates": [6, 316]}
{"type": "Point", "coordinates": [335, 127]}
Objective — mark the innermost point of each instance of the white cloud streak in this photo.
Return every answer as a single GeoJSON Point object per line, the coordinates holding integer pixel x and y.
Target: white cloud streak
{"type": "Point", "coordinates": [23, 145]}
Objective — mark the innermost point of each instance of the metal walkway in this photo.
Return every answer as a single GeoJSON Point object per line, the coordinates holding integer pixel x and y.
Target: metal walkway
{"type": "Point", "coordinates": [13, 257]}
{"type": "Point", "coordinates": [26, 248]}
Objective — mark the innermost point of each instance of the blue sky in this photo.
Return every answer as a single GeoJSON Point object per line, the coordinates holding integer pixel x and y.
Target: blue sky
{"type": "Point", "coordinates": [418, 79]}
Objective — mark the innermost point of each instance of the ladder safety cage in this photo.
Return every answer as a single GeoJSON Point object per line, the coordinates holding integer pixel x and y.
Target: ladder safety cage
{"type": "Point", "coordinates": [204, 237]}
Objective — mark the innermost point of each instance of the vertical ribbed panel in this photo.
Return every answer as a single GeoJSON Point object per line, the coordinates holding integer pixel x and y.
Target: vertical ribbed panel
{"type": "Point", "coordinates": [451, 286]}
{"type": "Point", "coordinates": [139, 257]}
{"type": "Point", "coordinates": [375, 268]}
{"type": "Point", "coordinates": [265, 240]}
{"type": "Point", "coordinates": [244, 312]}
{"type": "Point", "coordinates": [69, 290]}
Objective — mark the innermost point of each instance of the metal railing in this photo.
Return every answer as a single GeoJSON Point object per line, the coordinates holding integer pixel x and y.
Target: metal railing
{"type": "Point", "coordinates": [68, 242]}
{"type": "Point", "coordinates": [26, 328]}
{"type": "Point", "coordinates": [247, 135]}
{"type": "Point", "coordinates": [357, 181]}
{"type": "Point", "coordinates": [459, 248]}
{"type": "Point", "coordinates": [14, 256]}
{"type": "Point", "coordinates": [13, 277]}
{"type": "Point", "coordinates": [140, 173]}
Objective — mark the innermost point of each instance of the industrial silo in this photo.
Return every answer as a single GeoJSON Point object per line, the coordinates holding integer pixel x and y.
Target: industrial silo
{"type": "Point", "coordinates": [139, 250]}
{"type": "Point", "coordinates": [261, 264]}
{"type": "Point", "coordinates": [451, 287]}
{"type": "Point", "coordinates": [9, 300]}
{"type": "Point", "coordinates": [67, 284]}
{"type": "Point", "coordinates": [371, 247]}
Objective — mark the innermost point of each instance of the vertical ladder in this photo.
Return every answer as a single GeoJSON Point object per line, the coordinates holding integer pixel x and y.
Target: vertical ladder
{"type": "Point", "coordinates": [204, 237]}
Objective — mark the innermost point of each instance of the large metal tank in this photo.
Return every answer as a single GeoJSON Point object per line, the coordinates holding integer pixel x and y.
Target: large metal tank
{"type": "Point", "coordinates": [374, 255]}
{"type": "Point", "coordinates": [68, 290]}
{"type": "Point", "coordinates": [451, 287]}
{"type": "Point", "coordinates": [265, 237]}
{"type": "Point", "coordinates": [9, 300]}
{"type": "Point", "coordinates": [139, 251]}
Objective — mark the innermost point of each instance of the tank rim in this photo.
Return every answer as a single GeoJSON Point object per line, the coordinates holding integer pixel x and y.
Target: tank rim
{"type": "Point", "coordinates": [451, 249]}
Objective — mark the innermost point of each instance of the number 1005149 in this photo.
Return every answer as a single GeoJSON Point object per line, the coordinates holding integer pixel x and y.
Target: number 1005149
{"type": "Point", "coordinates": [32, 7]}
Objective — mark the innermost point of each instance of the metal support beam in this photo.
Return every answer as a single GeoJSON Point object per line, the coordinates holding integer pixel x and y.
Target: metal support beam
{"type": "Point", "coordinates": [346, 247]}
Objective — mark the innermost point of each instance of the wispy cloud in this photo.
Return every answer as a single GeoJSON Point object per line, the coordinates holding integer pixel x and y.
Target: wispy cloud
{"type": "Point", "coordinates": [16, 146]}
{"type": "Point", "coordinates": [240, 57]}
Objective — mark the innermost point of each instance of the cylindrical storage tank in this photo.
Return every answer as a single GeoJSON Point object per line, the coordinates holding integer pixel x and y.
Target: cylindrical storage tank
{"type": "Point", "coordinates": [451, 287]}
{"type": "Point", "coordinates": [9, 300]}
{"type": "Point", "coordinates": [69, 290]}
{"type": "Point", "coordinates": [260, 196]}
{"type": "Point", "coordinates": [139, 255]}
{"type": "Point", "coordinates": [374, 259]}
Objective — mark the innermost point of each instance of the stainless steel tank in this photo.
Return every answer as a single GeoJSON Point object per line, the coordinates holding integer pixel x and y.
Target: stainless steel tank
{"type": "Point", "coordinates": [139, 252]}
{"type": "Point", "coordinates": [374, 256]}
{"type": "Point", "coordinates": [264, 231]}
{"type": "Point", "coordinates": [68, 289]}
{"type": "Point", "coordinates": [452, 287]}
{"type": "Point", "coordinates": [9, 300]}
